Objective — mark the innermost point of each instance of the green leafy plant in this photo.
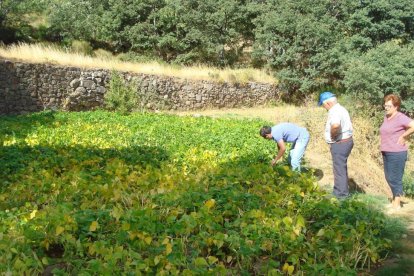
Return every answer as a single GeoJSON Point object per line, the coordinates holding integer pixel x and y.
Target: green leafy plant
{"type": "Point", "coordinates": [381, 71]}
{"type": "Point", "coordinates": [121, 96]}
{"type": "Point", "coordinates": [408, 184]}
{"type": "Point", "coordinates": [161, 194]}
{"type": "Point", "coordinates": [81, 47]}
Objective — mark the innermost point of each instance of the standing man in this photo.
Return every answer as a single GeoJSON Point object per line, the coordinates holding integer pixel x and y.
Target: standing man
{"type": "Point", "coordinates": [288, 133]}
{"type": "Point", "coordinates": [338, 134]}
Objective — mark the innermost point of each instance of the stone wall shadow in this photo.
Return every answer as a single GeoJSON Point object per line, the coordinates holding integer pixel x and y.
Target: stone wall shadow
{"type": "Point", "coordinates": [17, 95]}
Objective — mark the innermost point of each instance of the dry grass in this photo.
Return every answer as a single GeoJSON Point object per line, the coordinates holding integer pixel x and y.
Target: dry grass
{"type": "Point", "coordinates": [364, 165]}
{"type": "Point", "coordinates": [37, 53]}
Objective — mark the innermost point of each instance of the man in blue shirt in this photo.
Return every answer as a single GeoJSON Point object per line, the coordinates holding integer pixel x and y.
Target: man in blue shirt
{"type": "Point", "coordinates": [288, 133]}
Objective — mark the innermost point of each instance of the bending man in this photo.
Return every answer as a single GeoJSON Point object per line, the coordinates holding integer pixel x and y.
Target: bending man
{"type": "Point", "coordinates": [288, 133]}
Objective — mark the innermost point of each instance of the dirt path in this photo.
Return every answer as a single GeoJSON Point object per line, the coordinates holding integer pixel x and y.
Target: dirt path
{"type": "Point", "coordinates": [401, 261]}
{"type": "Point", "coordinates": [365, 173]}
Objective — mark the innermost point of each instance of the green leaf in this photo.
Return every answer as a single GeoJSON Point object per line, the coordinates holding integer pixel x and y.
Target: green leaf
{"type": "Point", "coordinates": [287, 221]}
{"type": "Point", "coordinates": [200, 262]}
{"type": "Point", "coordinates": [94, 225]}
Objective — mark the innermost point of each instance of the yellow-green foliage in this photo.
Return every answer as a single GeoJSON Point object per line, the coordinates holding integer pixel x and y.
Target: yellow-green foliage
{"type": "Point", "coordinates": [100, 193]}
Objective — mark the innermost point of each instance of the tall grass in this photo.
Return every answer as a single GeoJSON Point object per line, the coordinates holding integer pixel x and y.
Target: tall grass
{"type": "Point", "coordinates": [38, 53]}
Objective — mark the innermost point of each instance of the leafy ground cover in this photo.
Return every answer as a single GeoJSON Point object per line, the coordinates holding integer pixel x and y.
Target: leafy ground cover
{"type": "Point", "coordinates": [101, 193]}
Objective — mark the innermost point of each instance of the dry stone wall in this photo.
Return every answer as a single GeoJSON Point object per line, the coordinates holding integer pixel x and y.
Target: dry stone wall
{"type": "Point", "coordinates": [28, 87]}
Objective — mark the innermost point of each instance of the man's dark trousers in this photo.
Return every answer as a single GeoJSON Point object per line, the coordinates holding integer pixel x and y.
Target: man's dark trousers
{"type": "Point", "coordinates": [340, 152]}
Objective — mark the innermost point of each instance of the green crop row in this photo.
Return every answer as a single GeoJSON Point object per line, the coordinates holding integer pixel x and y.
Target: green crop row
{"type": "Point", "coordinates": [99, 193]}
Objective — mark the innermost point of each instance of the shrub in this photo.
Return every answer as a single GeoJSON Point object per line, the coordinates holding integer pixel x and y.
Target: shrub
{"type": "Point", "coordinates": [408, 184]}
{"type": "Point", "coordinates": [121, 96]}
{"type": "Point", "coordinates": [82, 47]}
{"type": "Point", "coordinates": [103, 54]}
{"type": "Point", "coordinates": [138, 58]}
{"type": "Point", "coordinates": [389, 68]}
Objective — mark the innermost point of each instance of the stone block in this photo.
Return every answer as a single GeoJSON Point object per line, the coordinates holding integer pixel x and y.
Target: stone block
{"type": "Point", "coordinates": [100, 89]}
{"type": "Point", "coordinates": [74, 83]}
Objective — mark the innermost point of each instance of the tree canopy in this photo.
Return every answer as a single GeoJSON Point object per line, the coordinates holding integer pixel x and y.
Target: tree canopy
{"type": "Point", "coordinates": [309, 45]}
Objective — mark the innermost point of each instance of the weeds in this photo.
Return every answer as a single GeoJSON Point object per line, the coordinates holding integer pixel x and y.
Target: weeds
{"type": "Point", "coordinates": [408, 184]}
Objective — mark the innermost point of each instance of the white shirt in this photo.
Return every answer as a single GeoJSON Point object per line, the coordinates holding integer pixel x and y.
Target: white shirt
{"type": "Point", "coordinates": [338, 115]}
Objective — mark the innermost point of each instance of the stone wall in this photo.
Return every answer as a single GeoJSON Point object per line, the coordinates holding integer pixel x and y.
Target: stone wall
{"type": "Point", "coordinates": [27, 87]}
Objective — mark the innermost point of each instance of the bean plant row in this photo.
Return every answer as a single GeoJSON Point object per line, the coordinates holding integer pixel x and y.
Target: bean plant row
{"type": "Point", "coordinates": [100, 193]}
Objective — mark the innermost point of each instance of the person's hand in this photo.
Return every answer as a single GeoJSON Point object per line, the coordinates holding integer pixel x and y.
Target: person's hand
{"type": "Point", "coordinates": [402, 140]}
{"type": "Point", "coordinates": [274, 161]}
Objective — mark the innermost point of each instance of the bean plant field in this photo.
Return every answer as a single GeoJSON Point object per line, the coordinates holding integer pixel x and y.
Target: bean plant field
{"type": "Point", "coordinates": [99, 193]}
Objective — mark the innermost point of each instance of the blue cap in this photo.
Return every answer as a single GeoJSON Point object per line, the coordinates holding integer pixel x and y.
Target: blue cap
{"type": "Point", "coordinates": [324, 96]}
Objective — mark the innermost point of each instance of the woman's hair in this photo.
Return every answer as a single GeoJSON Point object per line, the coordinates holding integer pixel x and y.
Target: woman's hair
{"type": "Point", "coordinates": [395, 99]}
{"type": "Point", "coordinates": [265, 130]}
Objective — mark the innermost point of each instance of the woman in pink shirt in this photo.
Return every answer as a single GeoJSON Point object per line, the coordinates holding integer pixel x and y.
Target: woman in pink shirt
{"type": "Point", "coordinates": [394, 133]}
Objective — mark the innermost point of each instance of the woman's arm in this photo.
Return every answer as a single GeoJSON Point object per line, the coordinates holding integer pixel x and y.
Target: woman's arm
{"type": "Point", "coordinates": [404, 137]}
